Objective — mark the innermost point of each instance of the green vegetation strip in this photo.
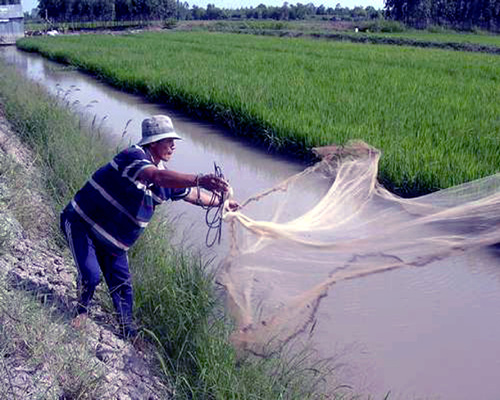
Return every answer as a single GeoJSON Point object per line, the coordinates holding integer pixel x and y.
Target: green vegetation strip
{"type": "Point", "coordinates": [175, 295]}
{"type": "Point", "coordinates": [483, 39]}
{"type": "Point", "coordinates": [433, 113]}
{"type": "Point", "coordinates": [437, 42]}
{"type": "Point", "coordinates": [374, 32]}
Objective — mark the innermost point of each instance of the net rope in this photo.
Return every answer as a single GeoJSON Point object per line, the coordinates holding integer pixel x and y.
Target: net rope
{"type": "Point", "coordinates": [286, 254]}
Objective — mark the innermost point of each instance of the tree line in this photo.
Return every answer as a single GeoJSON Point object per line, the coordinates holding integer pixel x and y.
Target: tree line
{"type": "Point", "coordinates": [9, 2]}
{"type": "Point", "coordinates": [105, 10]}
{"type": "Point", "coordinates": [460, 14]}
{"type": "Point", "coordinates": [127, 10]}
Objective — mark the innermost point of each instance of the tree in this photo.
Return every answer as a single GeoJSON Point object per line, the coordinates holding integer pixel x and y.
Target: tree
{"type": "Point", "coordinates": [372, 13]}
{"type": "Point", "coordinates": [261, 12]}
{"type": "Point", "coordinates": [198, 13]}
{"type": "Point", "coordinates": [358, 14]}
{"type": "Point", "coordinates": [285, 11]}
{"type": "Point", "coordinates": [53, 10]}
{"type": "Point", "coordinates": [214, 12]}
{"type": "Point", "coordinates": [183, 12]}
{"type": "Point", "coordinates": [465, 14]}
{"type": "Point", "coordinates": [123, 10]}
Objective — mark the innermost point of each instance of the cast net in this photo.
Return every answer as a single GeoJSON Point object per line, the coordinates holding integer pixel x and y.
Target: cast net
{"type": "Point", "coordinates": [286, 254]}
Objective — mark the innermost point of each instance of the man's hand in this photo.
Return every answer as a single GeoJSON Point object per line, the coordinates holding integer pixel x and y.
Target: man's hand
{"type": "Point", "coordinates": [213, 183]}
{"type": "Point", "coordinates": [233, 205]}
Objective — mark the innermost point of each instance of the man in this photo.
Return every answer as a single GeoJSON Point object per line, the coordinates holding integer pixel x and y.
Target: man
{"type": "Point", "coordinates": [109, 213]}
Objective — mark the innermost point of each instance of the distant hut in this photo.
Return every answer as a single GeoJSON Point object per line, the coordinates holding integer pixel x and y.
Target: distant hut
{"type": "Point", "coordinates": [11, 23]}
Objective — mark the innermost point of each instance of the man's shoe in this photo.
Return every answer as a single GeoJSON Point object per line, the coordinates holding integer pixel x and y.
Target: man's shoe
{"type": "Point", "coordinates": [127, 331]}
{"type": "Point", "coordinates": [79, 321]}
{"type": "Point", "coordinates": [139, 344]}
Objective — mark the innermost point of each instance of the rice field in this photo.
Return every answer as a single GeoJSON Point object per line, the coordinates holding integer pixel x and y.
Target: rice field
{"type": "Point", "coordinates": [440, 35]}
{"type": "Point", "coordinates": [435, 114]}
{"type": "Point", "coordinates": [476, 38]}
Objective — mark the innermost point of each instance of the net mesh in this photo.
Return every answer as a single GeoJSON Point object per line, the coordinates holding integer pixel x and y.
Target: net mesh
{"type": "Point", "coordinates": [286, 254]}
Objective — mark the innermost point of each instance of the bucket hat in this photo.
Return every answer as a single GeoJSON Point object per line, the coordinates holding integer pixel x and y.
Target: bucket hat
{"type": "Point", "coordinates": [156, 128]}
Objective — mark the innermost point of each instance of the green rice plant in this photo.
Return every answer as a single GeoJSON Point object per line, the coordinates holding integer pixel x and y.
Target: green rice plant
{"type": "Point", "coordinates": [445, 36]}
{"type": "Point", "coordinates": [379, 28]}
{"type": "Point", "coordinates": [433, 113]}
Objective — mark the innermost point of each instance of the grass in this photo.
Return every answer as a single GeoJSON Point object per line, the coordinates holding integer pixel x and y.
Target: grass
{"type": "Point", "coordinates": [376, 30]}
{"type": "Point", "coordinates": [194, 349]}
{"type": "Point", "coordinates": [175, 296]}
{"type": "Point", "coordinates": [433, 113]}
{"type": "Point", "coordinates": [41, 125]}
{"type": "Point", "coordinates": [482, 38]}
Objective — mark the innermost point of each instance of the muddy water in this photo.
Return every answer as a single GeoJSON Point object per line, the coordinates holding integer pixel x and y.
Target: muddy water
{"type": "Point", "coordinates": [427, 333]}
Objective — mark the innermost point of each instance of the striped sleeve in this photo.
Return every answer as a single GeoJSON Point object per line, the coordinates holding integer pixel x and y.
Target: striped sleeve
{"type": "Point", "coordinates": [179, 194]}
{"type": "Point", "coordinates": [165, 194]}
{"type": "Point", "coordinates": [169, 193]}
{"type": "Point", "coordinates": [130, 162]}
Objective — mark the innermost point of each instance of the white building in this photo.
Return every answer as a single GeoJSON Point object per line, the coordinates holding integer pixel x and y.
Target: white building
{"type": "Point", "coordinates": [11, 23]}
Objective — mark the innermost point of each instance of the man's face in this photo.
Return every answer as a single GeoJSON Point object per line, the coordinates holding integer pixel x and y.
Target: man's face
{"type": "Point", "coordinates": [163, 149]}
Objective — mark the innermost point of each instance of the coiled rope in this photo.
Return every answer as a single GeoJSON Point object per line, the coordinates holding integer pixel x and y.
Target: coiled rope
{"type": "Point", "coordinates": [213, 216]}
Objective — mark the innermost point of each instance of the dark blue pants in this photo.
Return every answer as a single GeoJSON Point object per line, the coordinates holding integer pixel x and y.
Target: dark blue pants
{"type": "Point", "coordinates": [91, 257]}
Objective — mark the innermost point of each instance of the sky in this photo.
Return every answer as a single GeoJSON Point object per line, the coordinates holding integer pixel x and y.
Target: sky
{"type": "Point", "coordinates": [28, 5]}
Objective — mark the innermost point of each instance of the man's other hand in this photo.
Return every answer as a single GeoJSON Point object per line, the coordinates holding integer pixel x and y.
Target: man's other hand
{"type": "Point", "coordinates": [233, 205]}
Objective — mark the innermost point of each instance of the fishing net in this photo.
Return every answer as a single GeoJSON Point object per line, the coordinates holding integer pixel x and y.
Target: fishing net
{"type": "Point", "coordinates": [286, 254]}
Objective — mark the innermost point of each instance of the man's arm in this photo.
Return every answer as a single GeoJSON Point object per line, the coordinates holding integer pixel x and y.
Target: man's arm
{"type": "Point", "coordinates": [205, 198]}
{"type": "Point", "coordinates": [179, 180]}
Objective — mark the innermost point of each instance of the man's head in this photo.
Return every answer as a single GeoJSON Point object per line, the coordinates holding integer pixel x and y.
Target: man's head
{"type": "Point", "coordinates": [157, 128]}
{"type": "Point", "coordinates": [158, 135]}
{"type": "Point", "coordinates": [162, 150]}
